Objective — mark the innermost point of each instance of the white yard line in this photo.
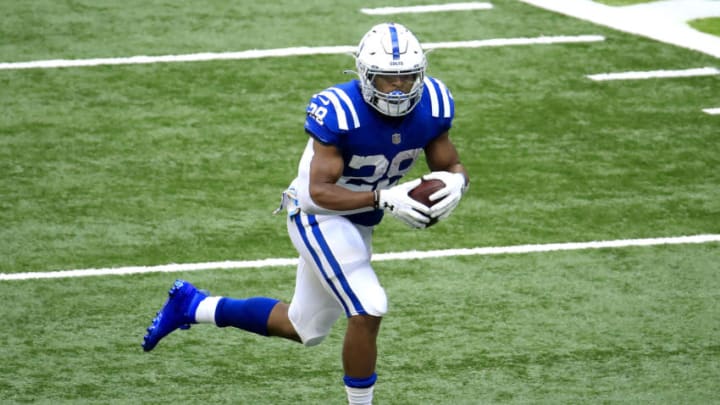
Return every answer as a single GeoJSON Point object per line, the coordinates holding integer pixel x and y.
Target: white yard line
{"type": "Point", "coordinates": [433, 8]}
{"type": "Point", "coordinates": [712, 111]}
{"type": "Point", "coordinates": [409, 255]}
{"type": "Point", "coordinates": [283, 52]}
{"type": "Point", "coordinates": [543, 40]}
{"type": "Point", "coordinates": [663, 21]}
{"type": "Point", "coordinates": [706, 71]}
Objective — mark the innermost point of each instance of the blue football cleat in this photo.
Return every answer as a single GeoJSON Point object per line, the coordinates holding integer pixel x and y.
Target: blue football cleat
{"type": "Point", "coordinates": [177, 313]}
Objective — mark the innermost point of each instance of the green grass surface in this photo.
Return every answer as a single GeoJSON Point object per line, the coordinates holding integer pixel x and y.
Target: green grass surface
{"type": "Point", "coordinates": [707, 25]}
{"type": "Point", "coordinates": [625, 325]}
{"type": "Point", "coordinates": [182, 163]}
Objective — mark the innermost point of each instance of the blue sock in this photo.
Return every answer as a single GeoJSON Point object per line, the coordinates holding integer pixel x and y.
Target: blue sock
{"type": "Point", "coordinates": [250, 314]}
{"type": "Point", "coordinates": [353, 382]}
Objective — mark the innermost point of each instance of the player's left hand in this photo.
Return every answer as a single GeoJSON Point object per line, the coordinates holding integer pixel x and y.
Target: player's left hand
{"type": "Point", "coordinates": [449, 196]}
{"type": "Point", "coordinates": [396, 201]}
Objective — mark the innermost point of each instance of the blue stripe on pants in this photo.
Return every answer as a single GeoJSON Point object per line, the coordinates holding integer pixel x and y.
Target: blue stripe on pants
{"type": "Point", "coordinates": [334, 265]}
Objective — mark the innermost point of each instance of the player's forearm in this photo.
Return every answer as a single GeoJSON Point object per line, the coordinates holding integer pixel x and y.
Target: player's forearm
{"type": "Point", "coordinates": [459, 168]}
{"type": "Point", "coordinates": [336, 198]}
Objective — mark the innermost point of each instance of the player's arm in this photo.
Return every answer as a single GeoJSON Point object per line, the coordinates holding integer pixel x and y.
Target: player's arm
{"type": "Point", "coordinates": [326, 168]}
{"type": "Point", "coordinates": [444, 162]}
{"type": "Point", "coordinates": [326, 197]}
{"type": "Point", "coordinates": [441, 155]}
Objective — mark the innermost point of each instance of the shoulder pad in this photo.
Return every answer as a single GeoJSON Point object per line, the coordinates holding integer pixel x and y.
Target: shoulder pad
{"type": "Point", "coordinates": [441, 100]}
{"type": "Point", "coordinates": [335, 109]}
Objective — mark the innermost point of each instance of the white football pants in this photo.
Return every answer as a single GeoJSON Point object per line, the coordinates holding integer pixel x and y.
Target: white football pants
{"type": "Point", "coordinates": [334, 275]}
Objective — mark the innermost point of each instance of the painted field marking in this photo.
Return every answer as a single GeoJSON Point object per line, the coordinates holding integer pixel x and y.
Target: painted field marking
{"type": "Point", "coordinates": [706, 71]}
{"type": "Point", "coordinates": [664, 21]}
{"type": "Point", "coordinates": [433, 8]}
{"type": "Point", "coordinates": [409, 255]}
{"type": "Point", "coordinates": [712, 111]}
{"type": "Point", "coordinates": [542, 40]}
{"type": "Point", "coordinates": [282, 52]}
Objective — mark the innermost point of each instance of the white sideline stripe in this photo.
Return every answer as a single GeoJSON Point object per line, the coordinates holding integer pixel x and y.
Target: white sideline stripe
{"type": "Point", "coordinates": [480, 251]}
{"type": "Point", "coordinates": [433, 8]}
{"type": "Point", "coordinates": [712, 111]}
{"type": "Point", "coordinates": [280, 52]}
{"type": "Point", "coordinates": [706, 71]}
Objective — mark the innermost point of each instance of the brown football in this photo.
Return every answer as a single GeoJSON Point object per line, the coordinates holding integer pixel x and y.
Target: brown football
{"type": "Point", "coordinates": [424, 190]}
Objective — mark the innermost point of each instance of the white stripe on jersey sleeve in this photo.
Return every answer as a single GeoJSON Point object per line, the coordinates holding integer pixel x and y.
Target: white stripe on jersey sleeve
{"type": "Point", "coordinates": [339, 112]}
{"type": "Point", "coordinates": [438, 100]}
{"type": "Point", "coordinates": [445, 98]}
{"type": "Point", "coordinates": [433, 97]}
{"type": "Point", "coordinates": [346, 99]}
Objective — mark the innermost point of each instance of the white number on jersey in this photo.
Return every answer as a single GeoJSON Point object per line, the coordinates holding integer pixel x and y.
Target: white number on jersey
{"type": "Point", "coordinates": [382, 168]}
{"type": "Point", "coordinates": [318, 112]}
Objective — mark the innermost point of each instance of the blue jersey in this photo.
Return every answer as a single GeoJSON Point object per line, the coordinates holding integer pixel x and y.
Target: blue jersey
{"type": "Point", "coordinates": [377, 150]}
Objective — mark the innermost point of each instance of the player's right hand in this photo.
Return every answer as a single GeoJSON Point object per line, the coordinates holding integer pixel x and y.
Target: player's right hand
{"type": "Point", "coordinates": [396, 201]}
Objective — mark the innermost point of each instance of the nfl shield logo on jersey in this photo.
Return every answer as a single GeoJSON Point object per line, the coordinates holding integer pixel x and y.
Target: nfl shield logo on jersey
{"type": "Point", "coordinates": [396, 139]}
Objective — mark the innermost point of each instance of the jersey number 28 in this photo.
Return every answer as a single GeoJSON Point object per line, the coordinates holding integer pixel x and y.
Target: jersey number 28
{"type": "Point", "coordinates": [384, 171]}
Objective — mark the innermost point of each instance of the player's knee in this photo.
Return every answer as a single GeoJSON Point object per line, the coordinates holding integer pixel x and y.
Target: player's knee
{"type": "Point", "coordinates": [313, 341]}
{"type": "Point", "coordinates": [313, 328]}
{"type": "Point", "coordinates": [314, 337]}
{"type": "Point", "coordinates": [375, 301]}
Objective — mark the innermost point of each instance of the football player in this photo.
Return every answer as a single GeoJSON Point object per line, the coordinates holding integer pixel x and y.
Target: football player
{"type": "Point", "coordinates": [364, 136]}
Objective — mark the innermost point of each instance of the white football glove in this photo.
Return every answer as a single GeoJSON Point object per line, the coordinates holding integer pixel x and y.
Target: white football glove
{"type": "Point", "coordinates": [452, 192]}
{"type": "Point", "coordinates": [396, 201]}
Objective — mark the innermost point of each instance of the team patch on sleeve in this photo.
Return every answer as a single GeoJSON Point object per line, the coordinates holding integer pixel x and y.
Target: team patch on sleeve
{"type": "Point", "coordinates": [441, 101]}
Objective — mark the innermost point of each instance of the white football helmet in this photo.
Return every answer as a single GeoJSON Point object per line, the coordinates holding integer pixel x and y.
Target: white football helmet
{"type": "Point", "coordinates": [390, 49]}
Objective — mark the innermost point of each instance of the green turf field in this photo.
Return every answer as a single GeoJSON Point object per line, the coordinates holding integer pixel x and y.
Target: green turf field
{"type": "Point", "coordinates": [708, 25]}
{"type": "Point", "coordinates": [152, 164]}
